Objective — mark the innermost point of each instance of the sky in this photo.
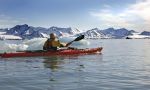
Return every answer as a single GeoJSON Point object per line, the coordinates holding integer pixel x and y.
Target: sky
{"type": "Point", "coordinates": [81, 14]}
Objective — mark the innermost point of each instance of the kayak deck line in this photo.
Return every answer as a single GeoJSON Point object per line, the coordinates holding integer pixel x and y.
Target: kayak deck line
{"type": "Point", "coordinates": [50, 53]}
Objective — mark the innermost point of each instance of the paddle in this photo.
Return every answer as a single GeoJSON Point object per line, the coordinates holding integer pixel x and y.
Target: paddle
{"type": "Point", "coordinates": [77, 39]}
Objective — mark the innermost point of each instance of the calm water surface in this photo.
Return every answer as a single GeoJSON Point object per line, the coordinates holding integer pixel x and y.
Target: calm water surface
{"type": "Point", "coordinates": [123, 65]}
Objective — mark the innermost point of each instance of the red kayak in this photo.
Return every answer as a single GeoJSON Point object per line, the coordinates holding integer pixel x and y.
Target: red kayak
{"type": "Point", "coordinates": [50, 53]}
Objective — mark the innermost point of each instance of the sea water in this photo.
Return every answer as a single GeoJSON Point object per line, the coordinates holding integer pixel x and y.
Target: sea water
{"type": "Point", "coordinates": [123, 65]}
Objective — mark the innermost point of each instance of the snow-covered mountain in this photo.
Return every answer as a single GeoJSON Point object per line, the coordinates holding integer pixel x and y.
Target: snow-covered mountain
{"type": "Point", "coordinates": [137, 36]}
{"type": "Point", "coordinates": [108, 33]}
{"type": "Point", "coordinates": [142, 35]}
{"type": "Point", "coordinates": [94, 33]}
{"type": "Point", "coordinates": [10, 37]}
{"type": "Point", "coordinates": [29, 32]}
{"type": "Point", "coordinates": [117, 33]}
{"type": "Point", "coordinates": [145, 33]}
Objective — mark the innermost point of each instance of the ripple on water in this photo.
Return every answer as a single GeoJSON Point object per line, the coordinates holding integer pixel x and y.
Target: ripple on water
{"type": "Point", "coordinates": [123, 65]}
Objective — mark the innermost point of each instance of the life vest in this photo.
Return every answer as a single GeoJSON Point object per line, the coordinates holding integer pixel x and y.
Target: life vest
{"type": "Point", "coordinates": [52, 44]}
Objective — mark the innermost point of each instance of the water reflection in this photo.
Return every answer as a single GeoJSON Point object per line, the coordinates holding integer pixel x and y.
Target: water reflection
{"type": "Point", "coordinates": [71, 71]}
{"type": "Point", "coordinates": [56, 64]}
{"type": "Point", "coordinates": [55, 72]}
{"type": "Point", "coordinates": [53, 62]}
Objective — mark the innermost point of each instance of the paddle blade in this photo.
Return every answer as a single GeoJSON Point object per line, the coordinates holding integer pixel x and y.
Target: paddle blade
{"type": "Point", "coordinates": [79, 38]}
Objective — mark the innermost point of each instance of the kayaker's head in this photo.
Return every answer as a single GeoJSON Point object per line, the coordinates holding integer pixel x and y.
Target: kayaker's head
{"type": "Point", "coordinates": [52, 36]}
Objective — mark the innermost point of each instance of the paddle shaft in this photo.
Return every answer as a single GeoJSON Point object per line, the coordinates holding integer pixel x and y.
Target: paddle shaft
{"type": "Point", "coordinates": [77, 39]}
{"type": "Point", "coordinates": [69, 43]}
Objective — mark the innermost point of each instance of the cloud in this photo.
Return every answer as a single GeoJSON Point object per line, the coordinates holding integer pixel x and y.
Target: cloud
{"type": "Point", "coordinates": [135, 16]}
{"type": "Point", "coordinates": [7, 21]}
{"type": "Point", "coordinates": [110, 19]}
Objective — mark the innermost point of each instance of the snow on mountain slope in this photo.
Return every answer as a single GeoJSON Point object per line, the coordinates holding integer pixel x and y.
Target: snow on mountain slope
{"type": "Point", "coordinates": [2, 33]}
{"type": "Point", "coordinates": [107, 33]}
{"type": "Point", "coordinates": [94, 33]}
{"type": "Point", "coordinates": [29, 32]}
{"type": "Point", "coordinates": [117, 33]}
{"type": "Point", "coordinates": [9, 37]}
{"type": "Point", "coordinates": [145, 33]}
{"type": "Point", "coordinates": [138, 36]}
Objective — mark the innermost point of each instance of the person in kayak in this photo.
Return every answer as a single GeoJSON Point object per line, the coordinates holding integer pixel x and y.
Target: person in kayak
{"type": "Point", "coordinates": [53, 43]}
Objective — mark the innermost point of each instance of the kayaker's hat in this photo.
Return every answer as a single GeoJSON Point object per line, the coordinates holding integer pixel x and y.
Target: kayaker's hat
{"type": "Point", "coordinates": [52, 35]}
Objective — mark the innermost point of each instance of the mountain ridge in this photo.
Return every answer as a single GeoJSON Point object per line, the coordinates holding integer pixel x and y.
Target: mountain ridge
{"type": "Point", "coordinates": [28, 32]}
